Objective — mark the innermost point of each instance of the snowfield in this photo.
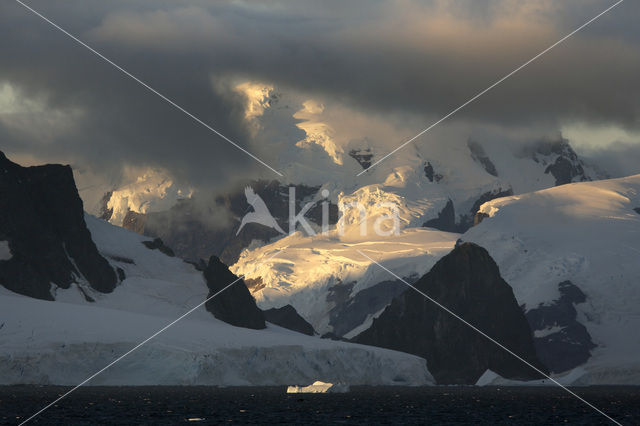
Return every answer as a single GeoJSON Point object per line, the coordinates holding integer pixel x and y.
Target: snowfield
{"type": "Point", "coordinates": [65, 341]}
{"type": "Point", "coordinates": [420, 181]}
{"type": "Point", "coordinates": [308, 269]}
{"type": "Point", "coordinates": [46, 343]}
{"type": "Point", "coordinates": [587, 233]}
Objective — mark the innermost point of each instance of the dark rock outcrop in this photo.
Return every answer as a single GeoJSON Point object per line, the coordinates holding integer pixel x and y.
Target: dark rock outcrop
{"type": "Point", "coordinates": [42, 218]}
{"type": "Point", "coordinates": [350, 312]}
{"type": "Point", "coordinates": [430, 173]}
{"type": "Point", "coordinates": [479, 217]}
{"type": "Point", "coordinates": [235, 305]}
{"type": "Point", "coordinates": [562, 342]}
{"type": "Point", "coordinates": [480, 157]}
{"type": "Point", "coordinates": [157, 244]}
{"type": "Point", "coordinates": [362, 156]}
{"type": "Point", "coordinates": [466, 281]}
{"type": "Point", "coordinates": [446, 220]}
{"type": "Point", "coordinates": [560, 159]}
{"type": "Point", "coordinates": [134, 221]}
{"type": "Point", "coordinates": [637, 210]}
{"type": "Point", "coordinates": [565, 170]}
{"type": "Point", "coordinates": [288, 317]}
{"type": "Point", "coordinates": [469, 220]}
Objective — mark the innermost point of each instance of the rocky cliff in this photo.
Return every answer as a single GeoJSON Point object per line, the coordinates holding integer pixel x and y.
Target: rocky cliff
{"type": "Point", "coordinates": [235, 305]}
{"type": "Point", "coordinates": [42, 221]}
{"type": "Point", "coordinates": [288, 317]}
{"type": "Point", "coordinates": [467, 281]}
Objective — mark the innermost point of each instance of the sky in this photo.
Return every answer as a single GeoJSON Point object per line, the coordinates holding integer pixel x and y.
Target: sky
{"type": "Point", "coordinates": [381, 69]}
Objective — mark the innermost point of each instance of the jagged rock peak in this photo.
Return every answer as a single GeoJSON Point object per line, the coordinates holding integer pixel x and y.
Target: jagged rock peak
{"type": "Point", "coordinates": [42, 219]}
{"type": "Point", "coordinates": [430, 173]}
{"type": "Point", "coordinates": [560, 159]}
{"type": "Point", "coordinates": [446, 220]}
{"type": "Point", "coordinates": [233, 305]}
{"type": "Point", "coordinates": [362, 156]}
{"type": "Point", "coordinates": [288, 317]}
{"type": "Point", "coordinates": [466, 281]}
{"type": "Point", "coordinates": [157, 244]}
{"type": "Point", "coordinates": [561, 341]}
{"type": "Point", "coordinates": [479, 156]}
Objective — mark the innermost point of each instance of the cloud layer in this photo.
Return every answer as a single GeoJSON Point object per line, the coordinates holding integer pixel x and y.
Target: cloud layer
{"type": "Point", "coordinates": [405, 61]}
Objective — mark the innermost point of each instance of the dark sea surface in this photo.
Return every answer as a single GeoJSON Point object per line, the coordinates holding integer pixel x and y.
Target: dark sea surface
{"type": "Point", "coordinates": [166, 405]}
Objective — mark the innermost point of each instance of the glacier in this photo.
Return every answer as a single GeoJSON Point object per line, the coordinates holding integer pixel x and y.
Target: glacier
{"type": "Point", "coordinates": [65, 341]}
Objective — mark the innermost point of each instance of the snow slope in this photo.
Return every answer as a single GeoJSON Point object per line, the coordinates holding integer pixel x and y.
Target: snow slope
{"type": "Point", "coordinates": [65, 341]}
{"type": "Point", "coordinates": [310, 266]}
{"type": "Point", "coordinates": [151, 191]}
{"type": "Point", "coordinates": [308, 270]}
{"type": "Point", "coordinates": [586, 233]}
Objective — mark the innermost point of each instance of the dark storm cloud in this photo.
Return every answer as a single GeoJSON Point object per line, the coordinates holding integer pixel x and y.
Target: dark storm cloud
{"type": "Point", "coordinates": [619, 159]}
{"type": "Point", "coordinates": [420, 58]}
{"type": "Point", "coordinates": [398, 56]}
{"type": "Point", "coordinates": [121, 122]}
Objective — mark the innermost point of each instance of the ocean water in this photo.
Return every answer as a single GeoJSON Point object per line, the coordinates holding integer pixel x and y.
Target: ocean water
{"type": "Point", "coordinates": [167, 405]}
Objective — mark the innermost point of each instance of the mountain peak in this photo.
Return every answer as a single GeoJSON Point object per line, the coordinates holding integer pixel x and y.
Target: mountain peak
{"type": "Point", "coordinates": [42, 218]}
{"type": "Point", "coordinates": [466, 281]}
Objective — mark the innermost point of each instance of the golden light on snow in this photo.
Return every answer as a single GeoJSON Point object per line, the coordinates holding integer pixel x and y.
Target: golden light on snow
{"type": "Point", "coordinates": [258, 97]}
{"type": "Point", "coordinates": [317, 131]}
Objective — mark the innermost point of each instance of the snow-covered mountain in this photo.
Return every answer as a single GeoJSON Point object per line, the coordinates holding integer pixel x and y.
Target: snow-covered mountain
{"type": "Point", "coordinates": [325, 146]}
{"type": "Point", "coordinates": [323, 275]}
{"type": "Point", "coordinates": [467, 282]}
{"type": "Point", "coordinates": [60, 323]}
{"type": "Point", "coordinates": [65, 341]}
{"type": "Point", "coordinates": [569, 252]}
{"type": "Point", "coordinates": [437, 192]}
{"type": "Point", "coordinates": [440, 187]}
{"type": "Point", "coordinates": [572, 256]}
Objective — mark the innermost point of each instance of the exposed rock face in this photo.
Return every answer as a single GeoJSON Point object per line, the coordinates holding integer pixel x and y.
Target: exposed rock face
{"type": "Point", "coordinates": [157, 244]}
{"type": "Point", "coordinates": [637, 210]}
{"type": "Point", "coordinates": [350, 312]}
{"type": "Point", "coordinates": [480, 157]}
{"type": "Point", "coordinates": [446, 220]}
{"type": "Point", "coordinates": [479, 217]}
{"type": "Point", "coordinates": [288, 317]}
{"type": "Point", "coordinates": [561, 342]}
{"type": "Point", "coordinates": [561, 160]}
{"type": "Point", "coordinates": [235, 305]}
{"type": "Point", "coordinates": [467, 281]}
{"type": "Point", "coordinates": [42, 218]}
{"type": "Point", "coordinates": [468, 220]}
{"type": "Point", "coordinates": [192, 236]}
{"type": "Point", "coordinates": [362, 156]}
{"type": "Point", "coordinates": [134, 221]}
{"type": "Point", "coordinates": [430, 173]}
{"type": "Point", "coordinates": [565, 171]}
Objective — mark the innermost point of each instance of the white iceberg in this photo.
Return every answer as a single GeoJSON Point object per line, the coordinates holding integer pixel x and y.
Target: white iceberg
{"type": "Point", "coordinates": [319, 387]}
